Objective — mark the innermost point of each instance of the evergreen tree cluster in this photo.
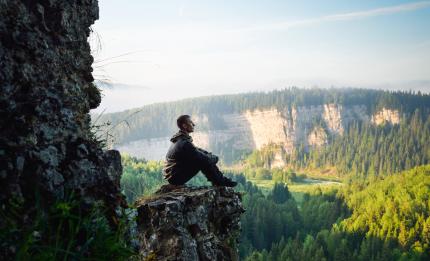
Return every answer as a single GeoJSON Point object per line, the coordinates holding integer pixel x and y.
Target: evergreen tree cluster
{"type": "Point", "coordinates": [267, 219]}
{"type": "Point", "coordinates": [390, 220]}
{"type": "Point", "coordinates": [369, 150]}
{"type": "Point", "coordinates": [140, 177]}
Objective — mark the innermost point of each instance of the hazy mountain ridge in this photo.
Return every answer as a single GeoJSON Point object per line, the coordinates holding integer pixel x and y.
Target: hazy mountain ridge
{"type": "Point", "coordinates": [230, 125]}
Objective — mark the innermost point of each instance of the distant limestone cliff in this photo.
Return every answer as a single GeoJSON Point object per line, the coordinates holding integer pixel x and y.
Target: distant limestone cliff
{"type": "Point", "coordinates": [289, 127]}
{"type": "Point", "coordinates": [189, 224]}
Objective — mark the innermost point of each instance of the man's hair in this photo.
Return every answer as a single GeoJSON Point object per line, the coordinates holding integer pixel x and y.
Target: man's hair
{"type": "Point", "coordinates": [181, 120]}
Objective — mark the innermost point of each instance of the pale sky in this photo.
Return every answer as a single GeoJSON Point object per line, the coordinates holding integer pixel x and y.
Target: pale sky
{"type": "Point", "coordinates": [160, 50]}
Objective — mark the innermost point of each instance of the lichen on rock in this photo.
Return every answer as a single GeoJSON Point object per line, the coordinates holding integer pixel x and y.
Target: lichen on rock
{"type": "Point", "coordinates": [186, 223]}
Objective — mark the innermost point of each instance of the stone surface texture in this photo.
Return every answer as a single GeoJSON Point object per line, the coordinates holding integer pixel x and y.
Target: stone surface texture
{"type": "Point", "coordinates": [46, 93]}
{"type": "Point", "coordinates": [186, 223]}
{"type": "Point", "coordinates": [386, 116]}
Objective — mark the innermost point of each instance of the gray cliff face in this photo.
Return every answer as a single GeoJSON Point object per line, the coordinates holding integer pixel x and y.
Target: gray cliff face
{"type": "Point", "coordinates": [46, 92]}
{"type": "Point", "coordinates": [289, 127]}
{"type": "Point", "coordinates": [189, 224]}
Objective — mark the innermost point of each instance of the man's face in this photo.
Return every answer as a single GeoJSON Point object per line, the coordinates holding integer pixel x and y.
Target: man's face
{"type": "Point", "coordinates": [188, 126]}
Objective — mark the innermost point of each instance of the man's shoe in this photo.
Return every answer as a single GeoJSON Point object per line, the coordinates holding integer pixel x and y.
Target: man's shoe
{"type": "Point", "coordinates": [226, 182]}
{"type": "Point", "coordinates": [230, 183]}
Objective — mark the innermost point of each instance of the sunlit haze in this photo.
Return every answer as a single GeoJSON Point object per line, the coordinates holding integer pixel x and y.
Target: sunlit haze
{"type": "Point", "coordinates": [154, 51]}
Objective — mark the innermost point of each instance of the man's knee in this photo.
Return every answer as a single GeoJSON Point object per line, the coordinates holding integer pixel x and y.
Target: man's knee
{"type": "Point", "coordinates": [208, 167]}
{"type": "Point", "coordinates": [183, 176]}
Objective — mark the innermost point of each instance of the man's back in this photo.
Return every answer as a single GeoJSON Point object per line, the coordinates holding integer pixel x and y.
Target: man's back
{"type": "Point", "coordinates": [177, 150]}
{"type": "Point", "coordinates": [176, 157]}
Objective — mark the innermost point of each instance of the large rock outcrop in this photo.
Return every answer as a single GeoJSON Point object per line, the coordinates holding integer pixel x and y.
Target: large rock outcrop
{"type": "Point", "coordinates": [46, 93]}
{"type": "Point", "coordinates": [186, 223]}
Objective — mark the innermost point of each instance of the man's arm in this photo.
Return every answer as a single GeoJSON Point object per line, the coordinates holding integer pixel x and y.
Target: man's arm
{"type": "Point", "coordinates": [195, 153]}
{"type": "Point", "coordinates": [202, 150]}
{"type": "Point", "coordinates": [214, 158]}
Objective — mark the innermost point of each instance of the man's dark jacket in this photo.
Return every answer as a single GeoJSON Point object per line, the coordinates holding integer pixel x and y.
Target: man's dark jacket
{"type": "Point", "coordinates": [183, 157]}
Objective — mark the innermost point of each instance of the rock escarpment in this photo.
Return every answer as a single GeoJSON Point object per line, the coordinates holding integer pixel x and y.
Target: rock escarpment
{"type": "Point", "coordinates": [46, 92]}
{"type": "Point", "coordinates": [188, 223]}
{"type": "Point", "coordinates": [289, 127]}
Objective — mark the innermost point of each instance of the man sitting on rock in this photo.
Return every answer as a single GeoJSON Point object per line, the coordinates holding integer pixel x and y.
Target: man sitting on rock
{"type": "Point", "coordinates": [184, 160]}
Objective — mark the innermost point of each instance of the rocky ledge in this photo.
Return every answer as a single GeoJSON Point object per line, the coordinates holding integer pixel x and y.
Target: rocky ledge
{"type": "Point", "coordinates": [187, 223]}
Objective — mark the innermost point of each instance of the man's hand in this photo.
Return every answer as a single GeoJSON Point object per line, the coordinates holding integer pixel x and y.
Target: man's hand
{"type": "Point", "coordinates": [202, 150]}
{"type": "Point", "coordinates": [214, 158]}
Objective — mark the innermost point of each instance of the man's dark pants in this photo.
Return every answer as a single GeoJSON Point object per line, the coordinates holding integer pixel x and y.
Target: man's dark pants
{"type": "Point", "coordinates": [210, 170]}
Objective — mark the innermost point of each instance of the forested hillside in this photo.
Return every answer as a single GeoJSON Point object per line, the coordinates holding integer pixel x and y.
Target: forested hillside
{"type": "Point", "coordinates": [354, 131]}
{"type": "Point", "coordinates": [367, 219]}
{"type": "Point", "coordinates": [390, 221]}
{"type": "Point", "coordinates": [158, 120]}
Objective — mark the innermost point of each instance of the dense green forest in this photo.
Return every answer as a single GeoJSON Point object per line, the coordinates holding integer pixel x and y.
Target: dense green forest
{"type": "Point", "coordinates": [158, 120]}
{"type": "Point", "coordinates": [377, 218]}
{"type": "Point", "coordinates": [390, 220]}
{"type": "Point", "coordinates": [140, 177]}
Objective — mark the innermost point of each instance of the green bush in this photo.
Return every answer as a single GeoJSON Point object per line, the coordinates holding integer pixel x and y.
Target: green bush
{"type": "Point", "coordinates": [64, 231]}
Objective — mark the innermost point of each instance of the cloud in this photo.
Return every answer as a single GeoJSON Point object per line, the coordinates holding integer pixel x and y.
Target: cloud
{"type": "Point", "coordinates": [379, 11]}
{"type": "Point", "coordinates": [341, 17]}
{"type": "Point", "coordinates": [181, 11]}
